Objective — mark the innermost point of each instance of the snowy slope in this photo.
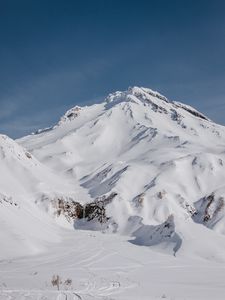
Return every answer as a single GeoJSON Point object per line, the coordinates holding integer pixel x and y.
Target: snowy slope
{"type": "Point", "coordinates": [105, 267]}
{"type": "Point", "coordinates": [163, 159]}
{"type": "Point", "coordinates": [26, 189]}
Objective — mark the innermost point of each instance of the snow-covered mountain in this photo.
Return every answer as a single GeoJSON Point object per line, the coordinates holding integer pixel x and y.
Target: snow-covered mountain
{"type": "Point", "coordinates": [143, 169]}
{"type": "Point", "coordinates": [162, 159]}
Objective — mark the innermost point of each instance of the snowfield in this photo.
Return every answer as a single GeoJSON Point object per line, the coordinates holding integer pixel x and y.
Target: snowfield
{"type": "Point", "coordinates": [119, 200]}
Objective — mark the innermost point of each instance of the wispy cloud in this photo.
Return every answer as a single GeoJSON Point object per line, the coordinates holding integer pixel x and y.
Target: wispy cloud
{"type": "Point", "coordinates": [8, 108]}
{"type": "Point", "coordinates": [41, 101]}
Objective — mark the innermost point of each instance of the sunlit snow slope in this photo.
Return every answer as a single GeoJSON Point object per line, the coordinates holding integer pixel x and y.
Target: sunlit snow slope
{"type": "Point", "coordinates": [26, 189]}
{"type": "Point", "coordinates": [163, 161]}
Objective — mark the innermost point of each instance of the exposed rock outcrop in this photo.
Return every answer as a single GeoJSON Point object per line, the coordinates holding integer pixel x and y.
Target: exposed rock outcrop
{"type": "Point", "coordinates": [91, 211]}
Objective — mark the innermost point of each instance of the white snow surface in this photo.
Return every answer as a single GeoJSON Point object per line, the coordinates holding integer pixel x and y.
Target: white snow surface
{"type": "Point", "coordinates": [164, 235]}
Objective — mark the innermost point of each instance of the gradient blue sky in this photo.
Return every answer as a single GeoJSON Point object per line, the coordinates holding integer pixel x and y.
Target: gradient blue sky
{"type": "Point", "coordinates": [56, 54]}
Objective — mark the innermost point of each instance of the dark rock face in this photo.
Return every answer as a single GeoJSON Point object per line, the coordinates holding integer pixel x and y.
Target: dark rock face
{"type": "Point", "coordinates": [190, 110]}
{"type": "Point", "coordinates": [213, 207]}
{"type": "Point", "coordinates": [209, 201]}
{"type": "Point", "coordinates": [91, 211]}
{"type": "Point", "coordinates": [209, 210]}
{"type": "Point", "coordinates": [71, 114]}
{"type": "Point", "coordinates": [71, 209]}
{"type": "Point", "coordinates": [195, 113]}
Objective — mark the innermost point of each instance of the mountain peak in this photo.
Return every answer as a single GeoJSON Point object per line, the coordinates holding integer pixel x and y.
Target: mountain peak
{"type": "Point", "coordinates": [142, 96]}
{"type": "Point", "coordinates": [158, 102]}
{"type": "Point", "coordinates": [139, 92]}
{"type": "Point", "coordinates": [142, 91]}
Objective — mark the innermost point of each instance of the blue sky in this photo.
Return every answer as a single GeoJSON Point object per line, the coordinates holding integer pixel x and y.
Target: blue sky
{"type": "Point", "coordinates": [57, 54]}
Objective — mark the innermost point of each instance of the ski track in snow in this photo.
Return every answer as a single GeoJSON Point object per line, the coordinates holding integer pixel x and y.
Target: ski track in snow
{"type": "Point", "coordinates": [99, 271]}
